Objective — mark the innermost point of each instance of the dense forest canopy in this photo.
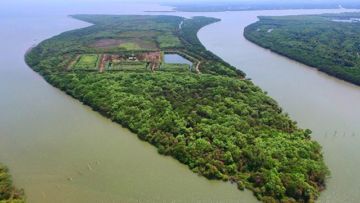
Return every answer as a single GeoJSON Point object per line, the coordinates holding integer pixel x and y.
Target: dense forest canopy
{"type": "Point", "coordinates": [329, 42]}
{"type": "Point", "coordinates": [208, 117]}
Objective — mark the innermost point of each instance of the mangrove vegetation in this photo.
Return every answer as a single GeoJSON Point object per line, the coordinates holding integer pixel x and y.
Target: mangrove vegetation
{"type": "Point", "coordinates": [8, 193]}
{"type": "Point", "coordinates": [209, 116]}
{"type": "Point", "coordinates": [329, 42]}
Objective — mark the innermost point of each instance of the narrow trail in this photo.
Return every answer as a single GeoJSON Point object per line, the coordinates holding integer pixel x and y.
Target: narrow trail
{"type": "Point", "coordinates": [197, 68]}
{"type": "Point", "coordinates": [72, 63]}
{"type": "Point", "coordinates": [102, 63]}
{"type": "Point", "coordinates": [180, 25]}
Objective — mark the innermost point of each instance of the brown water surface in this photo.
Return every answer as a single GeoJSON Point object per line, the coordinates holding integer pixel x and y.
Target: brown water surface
{"type": "Point", "coordinates": [59, 150]}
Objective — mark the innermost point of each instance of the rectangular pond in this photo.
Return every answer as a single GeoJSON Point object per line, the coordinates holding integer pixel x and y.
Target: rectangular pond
{"type": "Point", "coordinates": [176, 59]}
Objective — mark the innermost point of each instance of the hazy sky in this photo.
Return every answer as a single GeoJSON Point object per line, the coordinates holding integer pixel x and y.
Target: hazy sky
{"type": "Point", "coordinates": [15, 4]}
{"type": "Point", "coordinates": [170, 1]}
{"type": "Point", "coordinates": [22, 2]}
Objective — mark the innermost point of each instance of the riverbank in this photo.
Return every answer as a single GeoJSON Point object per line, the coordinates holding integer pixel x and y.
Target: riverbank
{"type": "Point", "coordinates": [8, 193]}
{"type": "Point", "coordinates": [332, 49]}
{"type": "Point", "coordinates": [322, 103]}
{"type": "Point", "coordinates": [289, 57]}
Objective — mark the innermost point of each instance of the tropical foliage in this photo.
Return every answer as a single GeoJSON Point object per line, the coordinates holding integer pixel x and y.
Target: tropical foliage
{"type": "Point", "coordinates": [8, 193]}
{"type": "Point", "coordinates": [329, 42]}
{"type": "Point", "coordinates": [218, 123]}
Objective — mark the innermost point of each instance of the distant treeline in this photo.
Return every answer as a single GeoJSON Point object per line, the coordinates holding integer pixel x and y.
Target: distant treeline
{"type": "Point", "coordinates": [212, 6]}
{"type": "Point", "coordinates": [329, 42]}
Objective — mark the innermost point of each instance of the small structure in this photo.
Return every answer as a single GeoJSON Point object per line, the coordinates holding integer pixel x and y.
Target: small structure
{"type": "Point", "coordinates": [132, 58]}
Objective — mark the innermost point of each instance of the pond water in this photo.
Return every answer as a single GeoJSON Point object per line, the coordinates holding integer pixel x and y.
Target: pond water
{"type": "Point", "coordinates": [176, 59]}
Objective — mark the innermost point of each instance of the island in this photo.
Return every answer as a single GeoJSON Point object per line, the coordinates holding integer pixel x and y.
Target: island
{"type": "Point", "coordinates": [152, 75]}
{"type": "Point", "coordinates": [328, 42]}
{"type": "Point", "coordinates": [8, 193]}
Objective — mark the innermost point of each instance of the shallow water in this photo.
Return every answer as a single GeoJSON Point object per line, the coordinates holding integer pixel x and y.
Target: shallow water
{"type": "Point", "coordinates": [176, 58]}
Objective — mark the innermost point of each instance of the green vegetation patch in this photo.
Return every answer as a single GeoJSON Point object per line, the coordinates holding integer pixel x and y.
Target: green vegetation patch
{"type": "Point", "coordinates": [138, 44]}
{"type": "Point", "coordinates": [217, 123]}
{"type": "Point", "coordinates": [148, 34]}
{"type": "Point", "coordinates": [87, 62]}
{"type": "Point", "coordinates": [124, 44]}
{"type": "Point", "coordinates": [130, 46]}
{"type": "Point", "coordinates": [128, 66]}
{"type": "Point", "coordinates": [175, 67]}
{"type": "Point", "coordinates": [8, 193]}
{"type": "Point", "coordinates": [329, 42]}
{"type": "Point", "coordinates": [168, 41]}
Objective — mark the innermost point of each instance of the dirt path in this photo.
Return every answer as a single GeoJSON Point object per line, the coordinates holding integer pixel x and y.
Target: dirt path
{"type": "Point", "coordinates": [72, 63]}
{"type": "Point", "coordinates": [197, 68]}
{"type": "Point", "coordinates": [103, 58]}
{"type": "Point", "coordinates": [180, 25]}
{"type": "Point", "coordinates": [154, 66]}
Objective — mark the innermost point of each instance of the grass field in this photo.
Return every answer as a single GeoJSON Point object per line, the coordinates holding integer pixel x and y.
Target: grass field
{"type": "Point", "coordinates": [125, 44]}
{"type": "Point", "coordinates": [87, 62]}
{"type": "Point", "coordinates": [127, 66]}
{"type": "Point", "coordinates": [168, 41]}
{"type": "Point", "coordinates": [139, 34]}
{"type": "Point", "coordinates": [137, 44]}
{"type": "Point", "coordinates": [130, 46]}
{"type": "Point", "coordinates": [175, 67]}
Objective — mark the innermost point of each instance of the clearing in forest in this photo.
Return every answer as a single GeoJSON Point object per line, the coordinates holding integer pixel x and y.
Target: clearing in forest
{"type": "Point", "coordinates": [86, 62]}
{"type": "Point", "coordinates": [125, 44]}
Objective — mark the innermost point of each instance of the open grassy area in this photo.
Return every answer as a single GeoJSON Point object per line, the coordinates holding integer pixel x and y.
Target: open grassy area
{"type": "Point", "coordinates": [169, 41]}
{"type": "Point", "coordinates": [126, 66]}
{"type": "Point", "coordinates": [87, 62]}
{"type": "Point", "coordinates": [130, 46]}
{"type": "Point", "coordinates": [175, 67]}
{"type": "Point", "coordinates": [138, 44]}
{"type": "Point", "coordinates": [139, 34]}
{"type": "Point", "coordinates": [128, 41]}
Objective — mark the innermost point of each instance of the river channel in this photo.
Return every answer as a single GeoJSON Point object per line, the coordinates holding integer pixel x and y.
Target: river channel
{"type": "Point", "coordinates": [59, 150]}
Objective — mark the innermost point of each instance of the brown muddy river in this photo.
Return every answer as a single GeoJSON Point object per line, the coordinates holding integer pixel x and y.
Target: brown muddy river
{"type": "Point", "coordinates": [59, 150]}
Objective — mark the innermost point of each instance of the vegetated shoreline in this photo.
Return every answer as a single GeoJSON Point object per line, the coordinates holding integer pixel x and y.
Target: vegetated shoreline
{"type": "Point", "coordinates": [249, 9]}
{"type": "Point", "coordinates": [8, 192]}
{"type": "Point", "coordinates": [194, 7]}
{"type": "Point", "coordinates": [259, 175]}
{"type": "Point", "coordinates": [288, 57]}
{"type": "Point", "coordinates": [294, 59]}
{"type": "Point", "coordinates": [329, 71]}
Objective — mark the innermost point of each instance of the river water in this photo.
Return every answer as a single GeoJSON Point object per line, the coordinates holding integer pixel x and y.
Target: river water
{"type": "Point", "coordinates": [59, 150]}
{"type": "Point", "coordinates": [324, 104]}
